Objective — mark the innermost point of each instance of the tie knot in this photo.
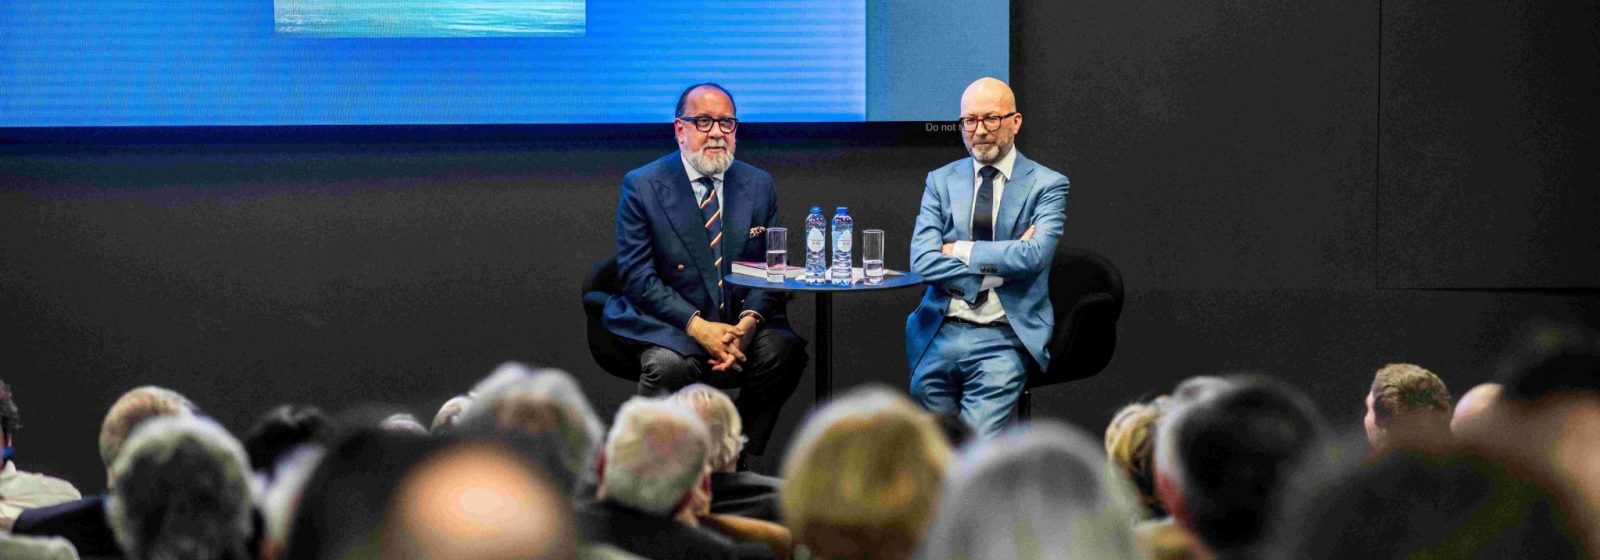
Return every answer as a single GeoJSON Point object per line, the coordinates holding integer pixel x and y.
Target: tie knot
{"type": "Point", "coordinates": [988, 172]}
{"type": "Point", "coordinates": [707, 181]}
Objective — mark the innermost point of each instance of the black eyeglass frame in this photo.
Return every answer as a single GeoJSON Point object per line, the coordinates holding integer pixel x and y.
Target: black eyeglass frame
{"type": "Point", "coordinates": [703, 123]}
{"type": "Point", "coordinates": [970, 124]}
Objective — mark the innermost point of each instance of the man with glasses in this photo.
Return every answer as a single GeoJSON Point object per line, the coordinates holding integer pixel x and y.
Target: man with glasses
{"type": "Point", "coordinates": [681, 222]}
{"type": "Point", "coordinates": [983, 243]}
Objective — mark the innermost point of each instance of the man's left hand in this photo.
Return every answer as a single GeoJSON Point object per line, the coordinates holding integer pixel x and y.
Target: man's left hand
{"type": "Point", "coordinates": [747, 325]}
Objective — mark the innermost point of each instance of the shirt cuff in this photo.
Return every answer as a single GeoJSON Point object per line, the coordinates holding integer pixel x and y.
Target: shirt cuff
{"type": "Point", "coordinates": [991, 282]}
{"type": "Point", "coordinates": [759, 319]}
{"type": "Point", "coordinates": [963, 251]}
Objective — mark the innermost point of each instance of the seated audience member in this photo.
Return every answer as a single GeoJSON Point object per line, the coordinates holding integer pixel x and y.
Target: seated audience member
{"type": "Point", "coordinates": [1547, 417]}
{"type": "Point", "coordinates": [1472, 405]}
{"type": "Point", "coordinates": [280, 431]}
{"type": "Point", "coordinates": [182, 490]}
{"type": "Point", "coordinates": [1407, 406]}
{"type": "Point", "coordinates": [654, 457]}
{"type": "Point", "coordinates": [449, 415]}
{"type": "Point", "coordinates": [83, 522]}
{"type": "Point", "coordinates": [1222, 457]}
{"type": "Point", "coordinates": [477, 501]}
{"type": "Point", "coordinates": [1421, 505]}
{"type": "Point", "coordinates": [20, 490]}
{"type": "Point", "coordinates": [342, 504]}
{"type": "Point", "coordinates": [862, 479]}
{"type": "Point", "coordinates": [745, 494]}
{"type": "Point", "coordinates": [18, 547]}
{"type": "Point", "coordinates": [1130, 447]}
{"type": "Point", "coordinates": [279, 500]}
{"type": "Point", "coordinates": [1039, 493]}
{"type": "Point", "coordinates": [542, 413]}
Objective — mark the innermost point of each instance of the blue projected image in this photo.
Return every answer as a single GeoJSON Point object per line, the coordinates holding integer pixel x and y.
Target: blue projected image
{"type": "Point", "coordinates": [430, 18]}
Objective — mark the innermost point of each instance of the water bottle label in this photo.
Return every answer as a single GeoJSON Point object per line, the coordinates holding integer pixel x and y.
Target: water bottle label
{"type": "Point", "coordinates": [843, 244]}
{"type": "Point", "coordinates": [814, 240]}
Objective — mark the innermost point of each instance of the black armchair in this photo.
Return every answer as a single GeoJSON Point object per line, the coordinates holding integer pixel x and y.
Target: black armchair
{"type": "Point", "coordinates": [1086, 294]}
{"type": "Point", "coordinates": [608, 350]}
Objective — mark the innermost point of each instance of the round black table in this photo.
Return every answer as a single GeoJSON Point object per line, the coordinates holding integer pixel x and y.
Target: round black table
{"type": "Point", "coordinates": [892, 280]}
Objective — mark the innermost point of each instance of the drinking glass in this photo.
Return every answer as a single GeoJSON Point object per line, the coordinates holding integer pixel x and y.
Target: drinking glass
{"type": "Point", "coordinates": [872, 255]}
{"type": "Point", "coordinates": [777, 253]}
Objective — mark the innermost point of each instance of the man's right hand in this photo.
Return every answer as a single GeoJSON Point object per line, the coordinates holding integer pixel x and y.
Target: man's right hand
{"type": "Point", "coordinates": [721, 340]}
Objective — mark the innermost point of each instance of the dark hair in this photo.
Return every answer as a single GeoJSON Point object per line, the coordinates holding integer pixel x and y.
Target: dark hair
{"type": "Point", "coordinates": [9, 420]}
{"type": "Point", "coordinates": [280, 430]}
{"type": "Point", "coordinates": [1551, 358]}
{"type": "Point", "coordinates": [344, 501]}
{"type": "Point", "coordinates": [1234, 450]}
{"type": "Point", "coordinates": [1410, 505]}
{"type": "Point", "coordinates": [683, 98]}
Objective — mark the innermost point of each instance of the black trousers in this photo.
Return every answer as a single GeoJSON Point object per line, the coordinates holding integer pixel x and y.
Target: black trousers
{"type": "Point", "coordinates": [773, 364]}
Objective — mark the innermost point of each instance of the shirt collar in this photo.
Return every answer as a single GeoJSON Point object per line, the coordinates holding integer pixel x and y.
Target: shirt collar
{"type": "Point", "coordinates": [1005, 165]}
{"type": "Point", "coordinates": [694, 174]}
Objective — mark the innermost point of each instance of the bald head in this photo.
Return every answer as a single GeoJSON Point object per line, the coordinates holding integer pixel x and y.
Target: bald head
{"type": "Point", "coordinates": [989, 120]}
{"type": "Point", "coordinates": [1472, 404]}
{"type": "Point", "coordinates": [477, 501]}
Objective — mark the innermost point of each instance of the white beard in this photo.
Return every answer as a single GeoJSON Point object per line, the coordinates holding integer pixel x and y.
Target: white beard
{"type": "Point", "coordinates": [712, 165]}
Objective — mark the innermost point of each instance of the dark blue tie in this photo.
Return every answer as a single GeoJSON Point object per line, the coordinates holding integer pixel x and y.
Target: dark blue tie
{"type": "Point", "coordinates": [983, 216]}
{"type": "Point", "coordinates": [711, 210]}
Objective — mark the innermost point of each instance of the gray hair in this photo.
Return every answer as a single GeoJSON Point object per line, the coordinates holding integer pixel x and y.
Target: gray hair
{"type": "Point", "coordinates": [654, 455]}
{"type": "Point", "coordinates": [515, 389]}
{"type": "Point", "coordinates": [722, 422]}
{"type": "Point", "coordinates": [1042, 492]}
{"type": "Point", "coordinates": [181, 492]}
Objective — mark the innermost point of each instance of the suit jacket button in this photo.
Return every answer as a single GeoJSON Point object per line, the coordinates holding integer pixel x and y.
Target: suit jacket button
{"type": "Point", "coordinates": [680, 266]}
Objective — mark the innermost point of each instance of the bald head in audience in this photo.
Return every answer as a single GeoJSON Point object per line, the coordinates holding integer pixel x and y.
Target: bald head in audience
{"type": "Point", "coordinates": [480, 501]}
{"type": "Point", "coordinates": [1471, 406]}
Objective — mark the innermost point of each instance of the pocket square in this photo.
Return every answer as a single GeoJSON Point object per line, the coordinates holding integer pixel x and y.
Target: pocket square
{"type": "Point", "coordinates": [758, 230]}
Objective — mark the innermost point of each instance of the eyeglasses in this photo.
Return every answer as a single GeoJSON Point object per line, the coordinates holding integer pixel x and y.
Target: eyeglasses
{"type": "Point", "coordinates": [703, 123]}
{"type": "Point", "coordinates": [990, 122]}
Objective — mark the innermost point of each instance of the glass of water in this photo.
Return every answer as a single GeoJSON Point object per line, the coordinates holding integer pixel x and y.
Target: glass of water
{"type": "Point", "coordinates": [872, 255]}
{"type": "Point", "coordinates": [777, 253]}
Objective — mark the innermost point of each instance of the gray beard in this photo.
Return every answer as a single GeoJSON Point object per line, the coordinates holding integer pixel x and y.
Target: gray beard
{"type": "Point", "coordinates": [710, 166]}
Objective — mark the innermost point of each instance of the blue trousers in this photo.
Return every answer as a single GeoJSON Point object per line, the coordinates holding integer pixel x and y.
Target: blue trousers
{"type": "Point", "coordinates": [976, 370]}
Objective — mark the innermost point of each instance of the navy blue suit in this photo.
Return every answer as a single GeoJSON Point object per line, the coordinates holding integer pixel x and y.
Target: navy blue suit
{"type": "Point", "coordinates": [665, 261]}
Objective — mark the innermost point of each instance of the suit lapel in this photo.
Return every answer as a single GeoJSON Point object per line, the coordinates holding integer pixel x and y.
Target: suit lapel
{"type": "Point", "coordinates": [677, 200]}
{"type": "Point", "coordinates": [960, 186]}
{"type": "Point", "coordinates": [736, 215]}
{"type": "Point", "coordinates": [1017, 189]}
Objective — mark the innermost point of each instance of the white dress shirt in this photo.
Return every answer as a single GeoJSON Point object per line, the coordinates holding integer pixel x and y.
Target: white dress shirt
{"type": "Point", "coordinates": [700, 194]}
{"type": "Point", "coordinates": [25, 490]}
{"type": "Point", "coordinates": [991, 311]}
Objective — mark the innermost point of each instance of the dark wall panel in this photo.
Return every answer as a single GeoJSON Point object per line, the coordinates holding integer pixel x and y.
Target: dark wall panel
{"type": "Point", "coordinates": [1491, 145]}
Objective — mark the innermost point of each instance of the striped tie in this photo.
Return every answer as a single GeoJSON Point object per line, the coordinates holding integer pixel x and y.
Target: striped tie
{"type": "Point", "coordinates": [712, 212]}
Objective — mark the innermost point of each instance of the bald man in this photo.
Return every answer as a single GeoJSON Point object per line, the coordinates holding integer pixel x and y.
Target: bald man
{"type": "Point", "coordinates": [983, 242]}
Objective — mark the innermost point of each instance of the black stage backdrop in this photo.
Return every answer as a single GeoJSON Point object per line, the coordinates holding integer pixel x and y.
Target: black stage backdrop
{"type": "Point", "coordinates": [1251, 166]}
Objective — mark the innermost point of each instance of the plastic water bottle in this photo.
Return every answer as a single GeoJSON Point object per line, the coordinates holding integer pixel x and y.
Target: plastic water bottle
{"type": "Point", "coordinates": [816, 247]}
{"type": "Point", "coordinates": [842, 224]}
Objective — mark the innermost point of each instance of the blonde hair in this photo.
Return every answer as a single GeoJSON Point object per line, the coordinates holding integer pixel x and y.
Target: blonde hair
{"type": "Point", "coordinates": [1130, 448]}
{"type": "Point", "coordinates": [133, 408]}
{"type": "Point", "coordinates": [863, 478]}
{"type": "Point", "coordinates": [1409, 390]}
{"type": "Point", "coordinates": [722, 421]}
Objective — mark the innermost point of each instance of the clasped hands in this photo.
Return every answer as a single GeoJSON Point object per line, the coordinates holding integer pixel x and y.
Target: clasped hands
{"type": "Point", "coordinates": [950, 248]}
{"type": "Point", "coordinates": [726, 343]}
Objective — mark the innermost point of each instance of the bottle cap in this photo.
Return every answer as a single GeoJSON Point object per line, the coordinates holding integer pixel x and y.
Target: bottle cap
{"type": "Point", "coordinates": [842, 211]}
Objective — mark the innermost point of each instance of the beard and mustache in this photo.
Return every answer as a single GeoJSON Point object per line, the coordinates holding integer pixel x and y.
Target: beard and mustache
{"type": "Point", "coordinates": [714, 164]}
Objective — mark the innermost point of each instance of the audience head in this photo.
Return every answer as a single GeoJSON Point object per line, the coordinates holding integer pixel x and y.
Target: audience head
{"type": "Point", "coordinates": [1041, 492]}
{"type": "Point", "coordinates": [1130, 447]}
{"type": "Point", "coordinates": [343, 502]}
{"type": "Point", "coordinates": [1418, 505]}
{"type": "Point", "coordinates": [1552, 359]}
{"type": "Point", "coordinates": [709, 150]}
{"type": "Point", "coordinates": [449, 415]}
{"type": "Point", "coordinates": [477, 500]}
{"type": "Point", "coordinates": [133, 408]}
{"type": "Point", "coordinates": [404, 422]}
{"type": "Point", "coordinates": [1472, 404]}
{"type": "Point", "coordinates": [862, 479]}
{"type": "Point", "coordinates": [722, 421]}
{"type": "Point", "coordinates": [181, 491]}
{"type": "Point", "coordinates": [281, 430]}
{"type": "Point", "coordinates": [1221, 458]}
{"type": "Point", "coordinates": [1407, 405]}
{"type": "Point", "coordinates": [654, 456]}
{"type": "Point", "coordinates": [543, 413]}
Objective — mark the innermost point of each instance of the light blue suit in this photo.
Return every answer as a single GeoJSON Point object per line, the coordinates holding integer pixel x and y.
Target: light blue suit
{"type": "Point", "coordinates": [983, 367]}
